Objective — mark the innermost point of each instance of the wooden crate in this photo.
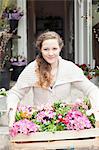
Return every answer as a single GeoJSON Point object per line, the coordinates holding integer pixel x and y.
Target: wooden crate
{"type": "Point", "coordinates": [83, 139]}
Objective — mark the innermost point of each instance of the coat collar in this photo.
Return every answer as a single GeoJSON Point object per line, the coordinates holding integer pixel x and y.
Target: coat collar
{"type": "Point", "coordinates": [68, 72]}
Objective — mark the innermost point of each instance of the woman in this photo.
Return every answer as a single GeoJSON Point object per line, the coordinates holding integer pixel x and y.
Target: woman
{"type": "Point", "coordinates": [50, 77]}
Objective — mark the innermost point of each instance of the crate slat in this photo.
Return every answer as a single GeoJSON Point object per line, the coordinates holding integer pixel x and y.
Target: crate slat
{"type": "Point", "coordinates": [64, 144]}
{"type": "Point", "coordinates": [59, 135]}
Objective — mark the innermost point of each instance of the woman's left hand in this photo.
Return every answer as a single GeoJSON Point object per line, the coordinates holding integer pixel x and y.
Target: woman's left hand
{"type": "Point", "coordinates": [94, 111]}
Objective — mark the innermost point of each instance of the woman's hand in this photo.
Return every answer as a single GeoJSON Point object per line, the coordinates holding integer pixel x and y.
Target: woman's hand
{"type": "Point", "coordinates": [95, 112]}
{"type": "Point", "coordinates": [12, 103]}
{"type": "Point", "coordinates": [11, 117]}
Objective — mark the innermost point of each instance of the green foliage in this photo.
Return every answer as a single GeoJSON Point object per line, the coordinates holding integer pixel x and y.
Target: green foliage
{"type": "Point", "coordinates": [92, 120]}
{"type": "Point", "coordinates": [18, 117]}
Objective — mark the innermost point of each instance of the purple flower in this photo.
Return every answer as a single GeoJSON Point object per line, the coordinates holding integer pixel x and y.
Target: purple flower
{"type": "Point", "coordinates": [15, 16]}
{"type": "Point", "coordinates": [12, 13]}
{"type": "Point", "coordinates": [44, 116]}
{"type": "Point", "coordinates": [18, 61]}
{"type": "Point", "coordinates": [24, 108]}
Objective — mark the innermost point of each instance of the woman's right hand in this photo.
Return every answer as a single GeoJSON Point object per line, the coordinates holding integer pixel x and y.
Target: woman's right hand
{"type": "Point", "coordinates": [12, 103]}
{"type": "Point", "coordinates": [11, 117]}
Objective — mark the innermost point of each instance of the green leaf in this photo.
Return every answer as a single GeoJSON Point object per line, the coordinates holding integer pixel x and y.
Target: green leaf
{"type": "Point", "coordinates": [17, 117]}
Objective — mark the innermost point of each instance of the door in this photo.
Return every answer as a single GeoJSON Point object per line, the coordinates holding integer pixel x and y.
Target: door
{"type": "Point", "coordinates": [83, 32]}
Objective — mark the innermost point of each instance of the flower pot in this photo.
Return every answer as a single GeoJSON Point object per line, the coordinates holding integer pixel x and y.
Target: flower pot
{"type": "Point", "coordinates": [16, 72]}
{"type": "Point", "coordinates": [5, 79]}
{"type": "Point", "coordinates": [13, 26]}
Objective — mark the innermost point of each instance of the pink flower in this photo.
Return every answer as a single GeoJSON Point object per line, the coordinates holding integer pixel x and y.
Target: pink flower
{"type": "Point", "coordinates": [14, 130]}
{"type": "Point", "coordinates": [23, 126]}
{"type": "Point", "coordinates": [75, 120]}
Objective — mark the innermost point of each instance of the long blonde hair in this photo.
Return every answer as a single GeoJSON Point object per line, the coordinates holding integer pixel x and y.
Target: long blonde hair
{"type": "Point", "coordinates": [44, 68]}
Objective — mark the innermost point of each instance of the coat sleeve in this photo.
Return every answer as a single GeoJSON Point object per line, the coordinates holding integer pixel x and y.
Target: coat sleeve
{"type": "Point", "coordinates": [13, 98]}
{"type": "Point", "coordinates": [90, 90]}
{"type": "Point", "coordinates": [19, 90]}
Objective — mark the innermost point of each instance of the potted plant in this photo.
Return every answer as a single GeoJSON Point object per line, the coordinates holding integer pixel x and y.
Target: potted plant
{"type": "Point", "coordinates": [88, 72]}
{"type": "Point", "coordinates": [13, 15]}
{"type": "Point", "coordinates": [91, 73]}
{"type": "Point", "coordinates": [4, 60]}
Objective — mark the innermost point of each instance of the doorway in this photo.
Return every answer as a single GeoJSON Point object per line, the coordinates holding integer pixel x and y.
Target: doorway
{"type": "Point", "coordinates": [51, 15]}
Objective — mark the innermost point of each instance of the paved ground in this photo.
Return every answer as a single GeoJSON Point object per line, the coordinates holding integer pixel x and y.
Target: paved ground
{"type": "Point", "coordinates": [4, 142]}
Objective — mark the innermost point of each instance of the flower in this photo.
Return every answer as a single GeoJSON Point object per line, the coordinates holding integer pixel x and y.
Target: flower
{"type": "Point", "coordinates": [23, 126]}
{"type": "Point", "coordinates": [18, 60]}
{"type": "Point", "coordinates": [12, 13]}
{"type": "Point", "coordinates": [88, 71]}
{"type": "Point", "coordinates": [76, 120]}
{"type": "Point", "coordinates": [61, 116]}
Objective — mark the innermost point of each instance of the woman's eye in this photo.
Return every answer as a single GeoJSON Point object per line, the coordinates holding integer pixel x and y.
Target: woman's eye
{"type": "Point", "coordinates": [45, 49]}
{"type": "Point", "coordinates": [54, 48]}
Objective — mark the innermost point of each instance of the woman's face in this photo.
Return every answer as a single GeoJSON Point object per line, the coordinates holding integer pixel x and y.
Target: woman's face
{"type": "Point", "coordinates": [50, 51]}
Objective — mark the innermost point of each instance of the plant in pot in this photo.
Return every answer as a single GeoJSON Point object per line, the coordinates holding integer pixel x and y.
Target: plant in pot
{"type": "Point", "coordinates": [91, 73]}
{"type": "Point", "coordinates": [5, 64]}
{"type": "Point", "coordinates": [88, 71]}
{"type": "Point", "coordinates": [13, 15]}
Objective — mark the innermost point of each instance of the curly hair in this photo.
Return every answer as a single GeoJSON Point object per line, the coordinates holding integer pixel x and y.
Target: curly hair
{"type": "Point", "coordinates": [44, 68]}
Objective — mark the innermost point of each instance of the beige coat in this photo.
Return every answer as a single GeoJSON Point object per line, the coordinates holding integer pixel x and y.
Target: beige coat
{"type": "Point", "coordinates": [68, 75]}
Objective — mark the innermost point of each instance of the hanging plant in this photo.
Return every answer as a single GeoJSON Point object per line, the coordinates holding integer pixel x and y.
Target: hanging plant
{"type": "Point", "coordinates": [13, 15]}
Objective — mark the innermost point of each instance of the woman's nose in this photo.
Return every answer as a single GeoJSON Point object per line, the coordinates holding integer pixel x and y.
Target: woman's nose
{"type": "Point", "coordinates": [50, 52]}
